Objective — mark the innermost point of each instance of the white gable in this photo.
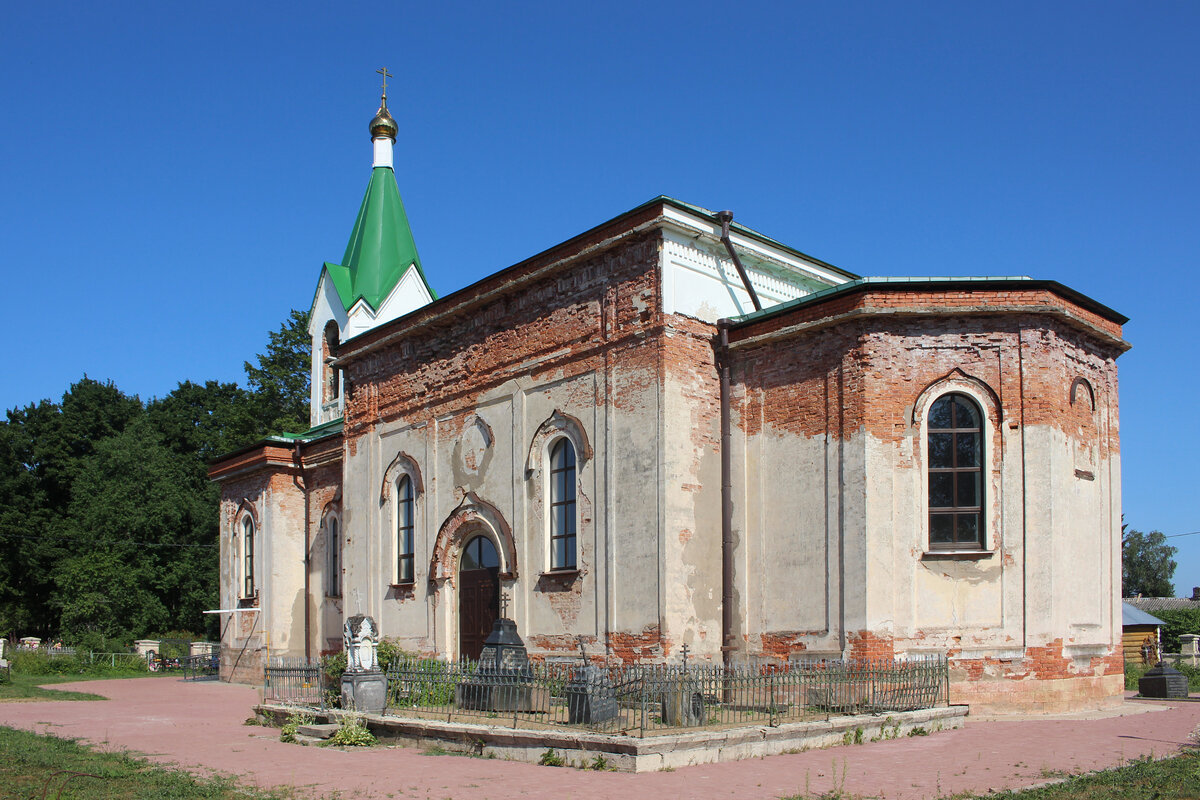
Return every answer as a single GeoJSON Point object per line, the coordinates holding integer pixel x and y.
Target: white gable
{"type": "Point", "coordinates": [326, 306]}
{"type": "Point", "coordinates": [700, 280]}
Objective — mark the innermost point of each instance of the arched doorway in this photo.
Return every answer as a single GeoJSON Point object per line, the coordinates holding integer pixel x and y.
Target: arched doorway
{"type": "Point", "coordinates": [478, 594]}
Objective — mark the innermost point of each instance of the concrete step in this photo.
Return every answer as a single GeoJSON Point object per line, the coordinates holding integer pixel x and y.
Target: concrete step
{"type": "Point", "coordinates": [318, 730]}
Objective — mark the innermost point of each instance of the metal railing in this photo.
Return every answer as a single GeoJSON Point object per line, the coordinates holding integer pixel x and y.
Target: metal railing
{"type": "Point", "coordinates": [294, 682]}
{"type": "Point", "coordinates": [46, 650]}
{"type": "Point", "coordinates": [202, 667]}
{"type": "Point", "coordinates": [640, 699]}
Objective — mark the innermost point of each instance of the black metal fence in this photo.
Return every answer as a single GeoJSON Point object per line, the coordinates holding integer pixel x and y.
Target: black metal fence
{"type": "Point", "coordinates": [202, 667]}
{"type": "Point", "coordinates": [294, 682]}
{"type": "Point", "coordinates": [636, 699]}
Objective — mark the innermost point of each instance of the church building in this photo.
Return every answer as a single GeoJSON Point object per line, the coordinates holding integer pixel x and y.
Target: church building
{"type": "Point", "coordinates": [674, 430]}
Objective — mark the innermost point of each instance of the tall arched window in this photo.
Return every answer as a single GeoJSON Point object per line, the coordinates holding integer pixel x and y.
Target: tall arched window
{"type": "Point", "coordinates": [247, 557]}
{"type": "Point", "coordinates": [562, 505]}
{"type": "Point", "coordinates": [333, 562]}
{"type": "Point", "coordinates": [955, 438]}
{"type": "Point", "coordinates": [329, 375]}
{"type": "Point", "coordinates": [404, 531]}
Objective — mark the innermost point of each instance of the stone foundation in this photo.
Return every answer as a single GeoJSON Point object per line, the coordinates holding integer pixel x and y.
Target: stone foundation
{"type": "Point", "coordinates": [1040, 696]}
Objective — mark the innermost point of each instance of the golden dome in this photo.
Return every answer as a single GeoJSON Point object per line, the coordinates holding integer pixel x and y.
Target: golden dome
{"type": "Point", "coordinates": [383, 124]}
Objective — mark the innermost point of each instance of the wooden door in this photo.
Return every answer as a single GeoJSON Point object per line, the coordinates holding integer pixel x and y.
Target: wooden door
{"type": "Point", "coordinates": [478, 596]}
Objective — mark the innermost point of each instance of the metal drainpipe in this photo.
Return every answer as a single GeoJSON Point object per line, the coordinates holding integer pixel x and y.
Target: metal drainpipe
{"type": "Point", "coordinates": [726, 217]}
{"type": "Point", "coordinates": [727, 638]}
{"type": "Point", "coordinates": [302, 484]}
{"type": "Point", "coordinates": [728, 645]}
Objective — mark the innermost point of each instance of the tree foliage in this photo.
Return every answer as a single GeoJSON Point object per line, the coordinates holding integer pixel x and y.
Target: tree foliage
{"type": "Point", "coordinates": [108, 522]}
{"type": "Point", "coordinates": [1147, 564]}
{"type": "Point", "coordinates": [280, 382]}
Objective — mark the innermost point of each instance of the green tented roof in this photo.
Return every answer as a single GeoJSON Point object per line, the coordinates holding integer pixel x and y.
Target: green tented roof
{"type": "Point", "coordinates": [381, 247]}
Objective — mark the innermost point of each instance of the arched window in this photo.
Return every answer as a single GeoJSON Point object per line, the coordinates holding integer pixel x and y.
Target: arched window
{"type": "Point", "coordinates": [955, 439]}
{"type": "Point", "coordinates": [404, 531]}
{"type": "Point", "coordinates": [562, 505]}
{"type": "Point", "coordinates": [247, 557]}
{"type": "Point", "coordinates": [329, 375]}
{"type": "Point", "coordinates": [333, 560]}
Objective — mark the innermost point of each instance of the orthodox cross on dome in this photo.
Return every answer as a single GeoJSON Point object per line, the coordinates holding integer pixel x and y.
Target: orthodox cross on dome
{"type": "Point", "coordinates": [383, 71]}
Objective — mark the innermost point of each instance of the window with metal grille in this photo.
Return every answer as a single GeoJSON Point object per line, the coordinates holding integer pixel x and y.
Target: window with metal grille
{"type": "Point", "coordinates": [404, 531]}
{"type": "Point", "coordinates": [955, 446]}
{"type": "Point", "coordinates": [562, 505]}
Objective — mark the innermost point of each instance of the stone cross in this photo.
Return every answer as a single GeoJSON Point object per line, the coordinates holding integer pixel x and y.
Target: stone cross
{"type": "Point", "coordinates": [582, 652]}
{"type": "Point", "coordinates": [504, 605]}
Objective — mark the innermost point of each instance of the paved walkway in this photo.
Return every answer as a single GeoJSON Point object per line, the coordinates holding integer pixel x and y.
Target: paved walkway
{"type": "Point", "coordinates": [199, 726]}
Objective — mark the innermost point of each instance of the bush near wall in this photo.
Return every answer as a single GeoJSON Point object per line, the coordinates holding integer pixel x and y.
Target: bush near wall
{"type": "Point", "coordinates": [43, 663]}
{"type": "Point", "coordinates": [1179, 621]}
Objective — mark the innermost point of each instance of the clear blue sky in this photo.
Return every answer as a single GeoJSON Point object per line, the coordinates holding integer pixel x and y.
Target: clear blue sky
{"type": "Point", "coordinates": [174, 174]}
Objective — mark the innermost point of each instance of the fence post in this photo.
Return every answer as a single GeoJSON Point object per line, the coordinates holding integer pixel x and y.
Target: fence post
{"type": "Point", "coordinates": [772, 697]}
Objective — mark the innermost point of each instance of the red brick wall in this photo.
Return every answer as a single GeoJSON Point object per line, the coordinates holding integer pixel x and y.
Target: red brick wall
{"type": "Point", "coordinates": [564, 324]}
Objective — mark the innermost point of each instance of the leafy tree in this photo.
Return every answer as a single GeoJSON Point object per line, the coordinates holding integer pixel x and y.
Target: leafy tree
{"type": "Point", "coordinates": [280, 382]}
{"type": "Point", "coordinates": [108, 522]}
{"type": "Point", "coordinates": [1147, 564]}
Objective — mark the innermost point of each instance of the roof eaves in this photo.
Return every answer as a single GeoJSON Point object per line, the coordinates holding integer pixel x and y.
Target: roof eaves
{"type": "Point", "coordinates": [861, 284]}
{"type": "Point", "coordinates": [747, 232]}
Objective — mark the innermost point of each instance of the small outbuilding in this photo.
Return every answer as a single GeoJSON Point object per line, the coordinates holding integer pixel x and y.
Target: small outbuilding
{"type": "Point", "coordinates": [1140, 635]}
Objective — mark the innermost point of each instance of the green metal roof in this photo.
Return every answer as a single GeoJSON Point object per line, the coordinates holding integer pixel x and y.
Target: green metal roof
{"type": "Point", "coordinates": [381, 247]}
{"type": "Point", "coordinates": [934, 282]}
{"type": "Point", "coordinates": [312, 434]}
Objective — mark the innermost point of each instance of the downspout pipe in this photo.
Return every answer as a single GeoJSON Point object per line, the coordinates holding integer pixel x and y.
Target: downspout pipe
{"type": "Point", "coordinates": [302, 483]}
{"type": "Point", "coordinates": [725, 218]}
{"type": "Point", "coordinates": [728, 645]}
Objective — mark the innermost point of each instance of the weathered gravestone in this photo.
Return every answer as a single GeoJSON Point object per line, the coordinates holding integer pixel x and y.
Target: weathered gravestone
{"type": "Point", "coordinates": [504, 679]}
{"type": "Point", "coordinates": [364, 686]}
{"type": "Point", "coordinates": [1163, 680]}
{"type": "Point", "coordinates": [591, 696]}
{"type": "Point", "coordinates": [682, 699]}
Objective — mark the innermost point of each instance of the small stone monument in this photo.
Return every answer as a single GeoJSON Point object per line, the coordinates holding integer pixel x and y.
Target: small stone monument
{"type": "Point", "coordinates": [364, 686]}
{"type": "Point", "coordinates": [591, 698]}
{"type": "Point", "coordinates": [3, 647]}
{"type": "Point", "coordinates": [1163, 681]}
{"type": "Point", "coordinates": [682, 700]}
{"type": "Point", "coordinates": [1189, 648]}
{"type": "Point", "coordinates": [503, 681]}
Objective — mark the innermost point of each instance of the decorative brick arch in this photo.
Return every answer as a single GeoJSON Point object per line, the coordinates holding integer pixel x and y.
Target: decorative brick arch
{"type": "Point", "coordinates": [470, 517]}
{"type": "Point", "coordinates": [402, 464]}
{"type": "Point", "coordinates": [245, 508]}
{"type": "Point", "coordinates": [958, 381]}
{"type": "Point", "coordinates": [559, 424]}
{"type": "Point", "coordinates": [1088, 392]}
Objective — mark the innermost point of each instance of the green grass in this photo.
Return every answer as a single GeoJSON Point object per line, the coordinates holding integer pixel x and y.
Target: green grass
{"type": "Point", "coordinates": [28, 687]}
{"type": "Point", "coordinates": [33, 766]}
{"type": "Point", "coordinates": [1176, 778]}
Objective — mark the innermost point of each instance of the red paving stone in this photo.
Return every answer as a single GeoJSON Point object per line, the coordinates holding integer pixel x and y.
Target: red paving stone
{"type": "Point", "coordinates": [199, 726]}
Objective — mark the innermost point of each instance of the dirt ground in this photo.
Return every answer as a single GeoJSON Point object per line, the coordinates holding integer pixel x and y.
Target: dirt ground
{"type": "Point", "coordinates": [199, 726]}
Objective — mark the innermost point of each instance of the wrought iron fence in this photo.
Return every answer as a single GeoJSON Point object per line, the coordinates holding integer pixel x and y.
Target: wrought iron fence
{"type": "Point", "coordinates": [202, 667]}
{"type": "Point", "coordinates": [294, 681]}
{"type": "Point", "coordinates": [640, 699]}
{"type": "Point", "coordinates": [129, 661]}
